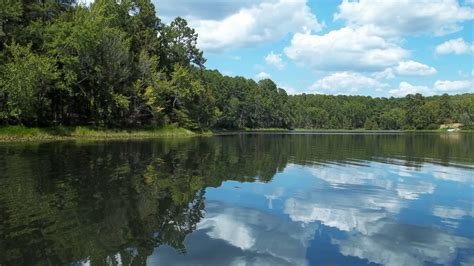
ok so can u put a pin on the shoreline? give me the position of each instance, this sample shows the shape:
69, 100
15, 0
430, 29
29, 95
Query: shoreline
26, 134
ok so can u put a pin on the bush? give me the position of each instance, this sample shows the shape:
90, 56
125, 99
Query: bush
432, 126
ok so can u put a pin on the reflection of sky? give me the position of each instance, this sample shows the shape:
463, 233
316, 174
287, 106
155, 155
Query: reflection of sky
394, 243
239, 236
380, 213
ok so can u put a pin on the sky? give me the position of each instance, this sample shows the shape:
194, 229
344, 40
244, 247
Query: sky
376, 48
358, 47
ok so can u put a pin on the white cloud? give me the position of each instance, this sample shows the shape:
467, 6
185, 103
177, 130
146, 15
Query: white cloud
453, 85
224, 227
407, 88
262, 75
450, 212
344, 219
275, 60
267, 21
386, 74
345, 83
440, 86
393, 243
413, 68
345, 49
412, 191
455, 46
454, 175
290, 90
451, 216
218, 233
406, 17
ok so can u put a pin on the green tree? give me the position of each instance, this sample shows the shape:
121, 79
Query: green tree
412, 106
178, 45
392, 119
26, 81
445, 109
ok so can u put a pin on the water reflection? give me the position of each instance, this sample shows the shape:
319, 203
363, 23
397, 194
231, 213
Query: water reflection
393, 243
241, 236
263, 199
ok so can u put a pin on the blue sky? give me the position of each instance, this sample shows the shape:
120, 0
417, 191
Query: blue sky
377, 48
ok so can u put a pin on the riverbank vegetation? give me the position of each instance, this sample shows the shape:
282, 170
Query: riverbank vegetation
20, 133
115, 64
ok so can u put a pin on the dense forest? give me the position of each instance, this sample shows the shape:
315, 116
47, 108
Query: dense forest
116, 64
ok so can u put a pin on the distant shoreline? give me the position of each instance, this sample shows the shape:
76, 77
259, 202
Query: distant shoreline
22, 134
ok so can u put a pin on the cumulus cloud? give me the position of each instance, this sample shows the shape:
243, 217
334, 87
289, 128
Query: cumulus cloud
275, 60
454, 85
342, 209
255, 25
413, 68
454, 213
219, 234
412, 191
454, 175
346, 83
440, 86
290, 90
385, 74
262, 75
351, 199
356, 202
343, 176
406, 17
394, 243
224, 227
406, 88
344, 219
356, 49
455, 46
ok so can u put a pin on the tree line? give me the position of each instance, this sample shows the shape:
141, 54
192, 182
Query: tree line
409, 112
116, 64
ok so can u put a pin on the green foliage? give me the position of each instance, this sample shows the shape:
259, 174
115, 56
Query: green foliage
115, 64
26, 81
392, 118
352, 112
371, 124
10, 12
82, 132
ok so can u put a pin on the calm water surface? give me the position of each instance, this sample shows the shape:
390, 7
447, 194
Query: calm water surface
249, 199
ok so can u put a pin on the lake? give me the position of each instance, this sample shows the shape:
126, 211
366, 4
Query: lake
240, 199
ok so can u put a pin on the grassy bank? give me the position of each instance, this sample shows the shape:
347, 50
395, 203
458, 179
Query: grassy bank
20, 133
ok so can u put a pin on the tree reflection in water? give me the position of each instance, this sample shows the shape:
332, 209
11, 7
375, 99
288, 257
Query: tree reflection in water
115, 202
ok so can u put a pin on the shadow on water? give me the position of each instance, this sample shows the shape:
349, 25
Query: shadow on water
66, 202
